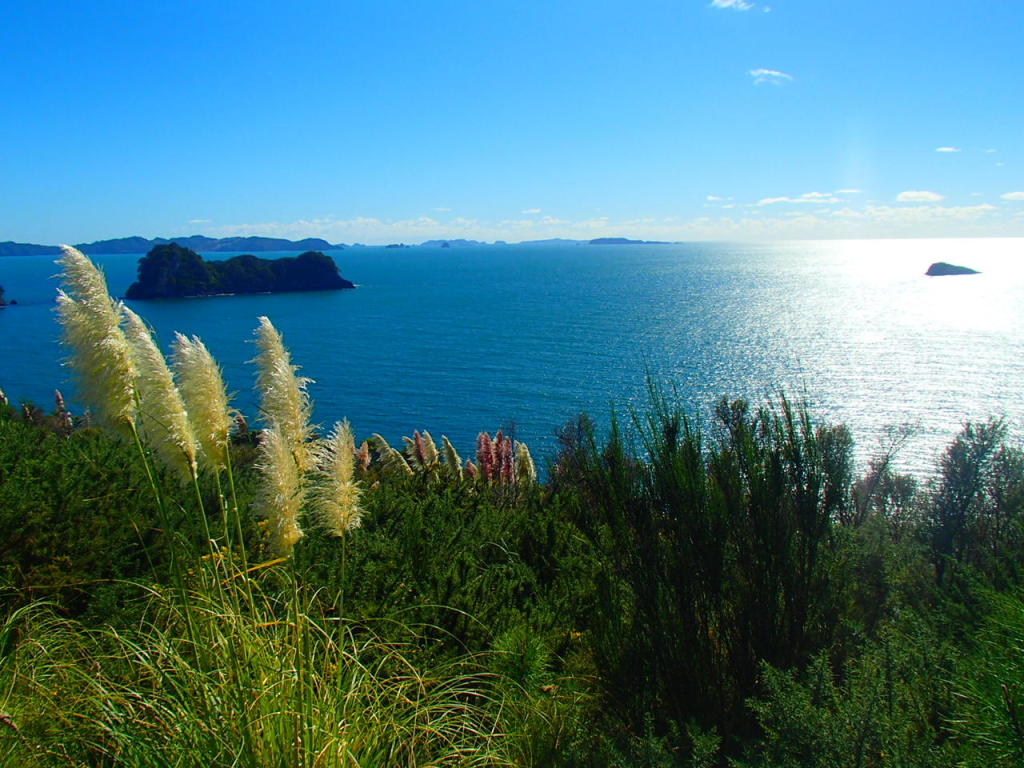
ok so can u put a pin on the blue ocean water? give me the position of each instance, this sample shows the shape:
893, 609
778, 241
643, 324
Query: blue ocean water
465, 339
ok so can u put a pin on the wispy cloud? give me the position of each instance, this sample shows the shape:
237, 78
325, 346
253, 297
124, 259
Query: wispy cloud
773, 76
849, 192
919, 218
919, 196
947, 149
530, 211
200, 221
806, 197
712, 198
443, 210
734, 5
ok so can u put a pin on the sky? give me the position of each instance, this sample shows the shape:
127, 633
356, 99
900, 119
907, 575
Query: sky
405, 120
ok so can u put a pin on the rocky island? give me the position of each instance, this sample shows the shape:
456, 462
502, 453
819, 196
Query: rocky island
941, 269
625, 241
172, 271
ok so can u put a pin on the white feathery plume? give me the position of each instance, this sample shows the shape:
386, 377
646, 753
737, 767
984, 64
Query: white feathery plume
524, 463
451, 457
389, 457
206, 400
162, 415
336, 499
100, 355
281, 492
285, 402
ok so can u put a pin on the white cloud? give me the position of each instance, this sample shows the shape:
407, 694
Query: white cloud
919, 196
773, 76
712, 198
849, 192
806, 197
531, 210
990, 151
735, 5
734, 221
200, 221
947, 149
1013, 196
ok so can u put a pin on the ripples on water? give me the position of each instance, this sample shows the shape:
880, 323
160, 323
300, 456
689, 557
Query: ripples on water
460, 340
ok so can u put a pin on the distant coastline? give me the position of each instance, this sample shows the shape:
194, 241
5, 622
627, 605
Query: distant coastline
195, 242
203, 244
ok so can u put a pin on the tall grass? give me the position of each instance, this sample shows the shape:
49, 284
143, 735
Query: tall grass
277, 686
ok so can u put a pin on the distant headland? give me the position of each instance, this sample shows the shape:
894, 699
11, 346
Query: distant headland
170, 270
195, 242
625, 241
203, 244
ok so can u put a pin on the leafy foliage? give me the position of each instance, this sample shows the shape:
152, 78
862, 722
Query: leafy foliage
678, 594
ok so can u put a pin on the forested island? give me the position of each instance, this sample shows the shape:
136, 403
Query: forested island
172, 271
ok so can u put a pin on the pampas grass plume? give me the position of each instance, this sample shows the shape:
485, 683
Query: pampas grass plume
206, 400
164, 421
285, 401
525, 468
389, 457
485, 455
421, 451
281, 492
336, 500
451, 457
100, 357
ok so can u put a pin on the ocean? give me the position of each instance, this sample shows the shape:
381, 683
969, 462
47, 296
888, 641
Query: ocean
524, 338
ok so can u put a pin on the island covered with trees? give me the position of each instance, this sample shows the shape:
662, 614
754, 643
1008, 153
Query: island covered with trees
172, 271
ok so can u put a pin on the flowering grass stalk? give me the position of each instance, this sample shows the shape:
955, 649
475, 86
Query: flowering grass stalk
336, 499
285, 402
390, 458
101, 357
486, 457
420, 451
525, 468
202, 390
162, 416
201, 384
452, 458
282, 492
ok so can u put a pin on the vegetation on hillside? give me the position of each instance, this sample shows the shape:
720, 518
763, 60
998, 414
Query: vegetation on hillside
181, 589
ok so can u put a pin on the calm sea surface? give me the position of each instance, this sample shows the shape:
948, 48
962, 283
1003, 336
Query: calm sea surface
461, 340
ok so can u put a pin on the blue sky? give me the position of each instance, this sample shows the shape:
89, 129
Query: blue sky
389, 120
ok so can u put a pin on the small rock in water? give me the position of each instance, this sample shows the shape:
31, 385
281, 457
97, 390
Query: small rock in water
941, 268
